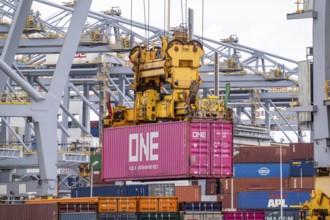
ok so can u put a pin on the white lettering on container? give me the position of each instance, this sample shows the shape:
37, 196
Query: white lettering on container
143, 148
274, 203
196, 134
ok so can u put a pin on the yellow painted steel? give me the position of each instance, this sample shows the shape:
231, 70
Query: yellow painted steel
166, 85
319, 206
17, 98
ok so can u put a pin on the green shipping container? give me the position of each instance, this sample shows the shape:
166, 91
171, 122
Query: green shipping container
159, 216
96, 157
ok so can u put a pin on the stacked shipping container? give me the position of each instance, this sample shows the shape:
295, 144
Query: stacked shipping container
257, 178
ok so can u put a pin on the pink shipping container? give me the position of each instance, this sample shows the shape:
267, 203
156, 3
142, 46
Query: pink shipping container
246, 215
172, 150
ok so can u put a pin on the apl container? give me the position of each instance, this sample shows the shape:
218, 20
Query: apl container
202, 216
303, 168
29, 211
270, 200
260, 170
246, 215
173, 150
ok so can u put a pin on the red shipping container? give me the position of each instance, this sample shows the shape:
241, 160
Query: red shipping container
188, 193
269, 154
226, 201
302, 151
253, 184
301, 183
173, 150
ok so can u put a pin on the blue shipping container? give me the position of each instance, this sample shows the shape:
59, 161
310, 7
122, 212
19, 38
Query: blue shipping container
261, 170
201, 206
270, 200
302, 168
95, 132
132, 190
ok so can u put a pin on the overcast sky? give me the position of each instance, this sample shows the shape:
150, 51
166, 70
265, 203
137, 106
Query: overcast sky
260, 24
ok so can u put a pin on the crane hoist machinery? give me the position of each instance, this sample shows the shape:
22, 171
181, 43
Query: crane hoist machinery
166, 85
319, 206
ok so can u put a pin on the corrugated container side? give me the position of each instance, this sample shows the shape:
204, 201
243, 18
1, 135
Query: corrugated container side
301, 183
260, 170
161, 189
287, 214
108, 204
213, 216
209, 198
202, 216
106, 216
168, 204
127, 204
77, 207
246, 215
78, 216
301, 151
188, 193
226, 199
253, 184
199, 149
159, 215
137, 190
269, 154
117, 216
270, 200
148, 204
201, 206
35, 211
302, 168
323, 183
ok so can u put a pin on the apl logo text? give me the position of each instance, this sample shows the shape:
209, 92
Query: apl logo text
142, 147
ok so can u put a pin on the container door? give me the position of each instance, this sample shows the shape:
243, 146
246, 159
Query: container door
199, 149
221, 149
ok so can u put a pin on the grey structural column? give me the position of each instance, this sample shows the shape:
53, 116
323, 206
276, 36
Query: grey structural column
65, 121
85, 110
321, 73
267, 118
122, 88
45, 113
11, 46
14, 37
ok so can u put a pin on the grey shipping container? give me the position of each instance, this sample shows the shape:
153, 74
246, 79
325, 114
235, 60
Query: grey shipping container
78, 216
159, 216
202, 216
29, 211
161, 189
292, 214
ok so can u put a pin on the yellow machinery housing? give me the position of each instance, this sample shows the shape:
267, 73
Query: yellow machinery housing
319, 206
166, 85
